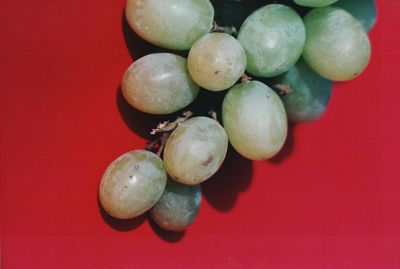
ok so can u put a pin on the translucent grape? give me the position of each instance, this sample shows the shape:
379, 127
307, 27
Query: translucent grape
255, 120
273, 38
310, 93
337, 47
178, 206
216, 61
173, 24
132, 184
159, 83
195, 150
315, 3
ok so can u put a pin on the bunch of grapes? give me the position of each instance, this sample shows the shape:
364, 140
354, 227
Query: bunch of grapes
292, 62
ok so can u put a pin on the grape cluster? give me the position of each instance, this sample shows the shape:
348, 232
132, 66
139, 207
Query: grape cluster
298, 57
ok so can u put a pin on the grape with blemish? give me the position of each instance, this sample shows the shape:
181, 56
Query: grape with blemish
132, 184
216, 61
195, 150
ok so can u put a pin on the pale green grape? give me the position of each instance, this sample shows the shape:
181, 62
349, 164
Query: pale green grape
255, 120
337, 47
273, 38
315, 3
132, 184
178, 206
216, 61
310, 93
159, 83
195, 150
173, 24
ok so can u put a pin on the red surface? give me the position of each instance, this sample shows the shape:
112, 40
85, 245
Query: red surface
332, 202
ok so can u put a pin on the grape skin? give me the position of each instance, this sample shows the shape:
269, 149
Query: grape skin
255, 120
309, 96
315, 3
363, 10
195, 150
172, 24
159, 83
337, 46
178, 206
132, 184
216, 61
273, 37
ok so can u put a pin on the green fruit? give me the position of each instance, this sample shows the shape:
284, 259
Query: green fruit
172, 24
255, 120
309, 93
337, 46
178, 206
273, 37
132, 184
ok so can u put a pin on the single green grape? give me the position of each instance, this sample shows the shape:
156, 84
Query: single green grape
310, 93
195, 150
315, 3
337, 46
159, 83
273, 37
172, 24
255, 120
132, 184
216, 61
178, 206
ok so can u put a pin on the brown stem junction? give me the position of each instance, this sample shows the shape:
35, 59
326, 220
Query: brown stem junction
164, 130
284, 89
230, 30
245, 78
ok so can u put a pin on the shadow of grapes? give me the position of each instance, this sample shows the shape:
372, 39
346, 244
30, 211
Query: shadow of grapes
168, 236
120, 224
235, 12
139, 122
138, 47
287, 148
234, 177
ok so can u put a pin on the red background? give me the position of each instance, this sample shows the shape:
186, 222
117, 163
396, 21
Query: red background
330, 200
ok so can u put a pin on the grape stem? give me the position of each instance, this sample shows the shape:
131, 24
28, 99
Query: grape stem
231, 30
157, 146
284, 89
245, 78
168, 126
164, 129
213, 114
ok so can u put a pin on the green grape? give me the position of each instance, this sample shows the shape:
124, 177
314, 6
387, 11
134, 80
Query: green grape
315, 3
363, 10
159, 83
273, 37
132, 184
172, 24
255, 120
216, 61
337, 47
310, 93
195, 150
178, 206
